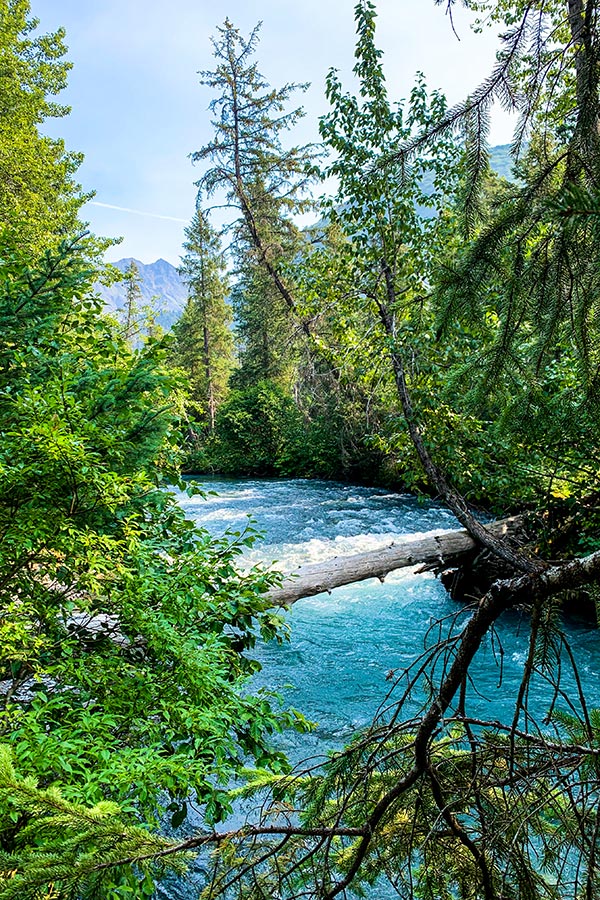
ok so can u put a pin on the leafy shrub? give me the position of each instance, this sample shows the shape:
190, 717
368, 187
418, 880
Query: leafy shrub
123, 628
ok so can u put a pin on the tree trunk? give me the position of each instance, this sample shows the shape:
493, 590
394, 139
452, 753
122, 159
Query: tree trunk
435, 476
209, 380
440, 549
586, 138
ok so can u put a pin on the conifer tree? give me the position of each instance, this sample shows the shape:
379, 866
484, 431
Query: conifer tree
265, 183
204, 342
530, 273
265, 332
261, 180
526, 279
131, 310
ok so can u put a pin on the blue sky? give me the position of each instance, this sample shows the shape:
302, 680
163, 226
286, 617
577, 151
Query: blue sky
138, 110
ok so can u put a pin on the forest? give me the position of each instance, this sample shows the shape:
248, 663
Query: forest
435, 330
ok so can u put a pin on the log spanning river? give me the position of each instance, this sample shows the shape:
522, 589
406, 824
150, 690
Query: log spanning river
344, 644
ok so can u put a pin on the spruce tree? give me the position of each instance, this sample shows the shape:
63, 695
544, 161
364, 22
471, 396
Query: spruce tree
265, 184
265, 333
203, 338
529, 274
261, 180
130, 313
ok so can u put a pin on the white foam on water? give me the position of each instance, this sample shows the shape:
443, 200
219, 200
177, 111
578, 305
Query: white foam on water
229, 516
223, 495
315, 550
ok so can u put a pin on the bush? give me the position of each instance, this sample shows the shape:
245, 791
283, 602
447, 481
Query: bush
123, 628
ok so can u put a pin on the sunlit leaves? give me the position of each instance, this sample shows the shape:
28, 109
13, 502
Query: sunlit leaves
124, 629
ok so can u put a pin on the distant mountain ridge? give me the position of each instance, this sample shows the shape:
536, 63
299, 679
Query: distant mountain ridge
161, 287
502, 162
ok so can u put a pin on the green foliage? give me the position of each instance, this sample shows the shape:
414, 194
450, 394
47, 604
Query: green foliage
427, 845
123, 628
250, 427
203, 345
130, 313
261, 431
59, 844
266, 185
261, 179
365, 284
500, 375
136, 319
39, 198
265, 334
527, 283
440, 302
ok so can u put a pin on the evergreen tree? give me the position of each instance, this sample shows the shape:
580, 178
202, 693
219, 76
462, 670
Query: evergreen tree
530, 275
204, 342
262, 181
265, 332
265, 184
525, 281
129, 314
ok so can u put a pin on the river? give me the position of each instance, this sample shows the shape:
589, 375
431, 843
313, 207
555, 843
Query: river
344, 645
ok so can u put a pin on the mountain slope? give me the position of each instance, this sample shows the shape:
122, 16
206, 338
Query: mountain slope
161, 287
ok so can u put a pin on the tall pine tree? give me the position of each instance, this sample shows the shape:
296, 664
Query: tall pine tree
204, 342
261, 180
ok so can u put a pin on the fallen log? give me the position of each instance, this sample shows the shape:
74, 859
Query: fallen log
440, 550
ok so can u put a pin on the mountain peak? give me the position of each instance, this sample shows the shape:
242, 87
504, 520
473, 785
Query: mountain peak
161, 287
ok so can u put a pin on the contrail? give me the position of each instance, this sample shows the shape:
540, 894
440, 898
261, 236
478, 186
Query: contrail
138, 212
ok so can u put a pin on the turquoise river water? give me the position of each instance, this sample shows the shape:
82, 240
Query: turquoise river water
343, 645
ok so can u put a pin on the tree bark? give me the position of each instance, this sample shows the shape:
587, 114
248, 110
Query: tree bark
438, 549
586, 139
435, 476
